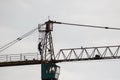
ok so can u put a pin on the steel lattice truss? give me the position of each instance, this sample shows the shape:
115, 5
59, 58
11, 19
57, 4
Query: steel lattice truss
88, 53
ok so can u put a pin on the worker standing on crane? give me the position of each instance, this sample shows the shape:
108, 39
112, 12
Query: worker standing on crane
40, 48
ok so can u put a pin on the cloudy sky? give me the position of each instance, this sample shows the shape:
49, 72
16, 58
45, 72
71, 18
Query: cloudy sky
20, 16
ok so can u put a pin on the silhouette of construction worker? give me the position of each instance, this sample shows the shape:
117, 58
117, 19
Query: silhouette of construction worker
40, 48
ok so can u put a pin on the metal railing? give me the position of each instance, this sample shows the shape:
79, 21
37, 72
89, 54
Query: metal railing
19, 57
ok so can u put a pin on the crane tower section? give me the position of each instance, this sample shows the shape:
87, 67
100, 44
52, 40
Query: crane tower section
50, 71
45, 45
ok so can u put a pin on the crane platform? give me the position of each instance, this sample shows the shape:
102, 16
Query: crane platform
64, 55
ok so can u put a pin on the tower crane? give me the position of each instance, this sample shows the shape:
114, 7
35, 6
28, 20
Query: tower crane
49, 59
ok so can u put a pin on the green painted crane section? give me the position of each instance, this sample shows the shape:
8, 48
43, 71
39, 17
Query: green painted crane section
50, 71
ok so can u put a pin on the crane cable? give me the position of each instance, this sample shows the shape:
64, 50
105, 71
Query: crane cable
83, 25
30, 32
18, 39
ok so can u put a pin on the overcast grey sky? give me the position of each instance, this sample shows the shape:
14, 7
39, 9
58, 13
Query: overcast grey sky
20, 16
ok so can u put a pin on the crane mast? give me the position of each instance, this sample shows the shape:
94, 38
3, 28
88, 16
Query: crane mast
49, 71
45, 46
